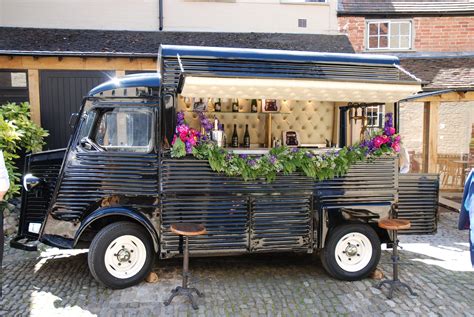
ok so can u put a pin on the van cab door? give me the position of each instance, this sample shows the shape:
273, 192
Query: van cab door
112, 162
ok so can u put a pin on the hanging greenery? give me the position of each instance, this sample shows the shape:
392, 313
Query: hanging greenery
284, 159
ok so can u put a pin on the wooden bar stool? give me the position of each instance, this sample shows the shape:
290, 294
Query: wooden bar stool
186, 230
394, 225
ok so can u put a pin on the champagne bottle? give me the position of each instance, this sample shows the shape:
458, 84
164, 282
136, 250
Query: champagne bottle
253, 105
235, 105
246, 136
235, 137
217, 105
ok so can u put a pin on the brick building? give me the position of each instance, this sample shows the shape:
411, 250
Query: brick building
435, 42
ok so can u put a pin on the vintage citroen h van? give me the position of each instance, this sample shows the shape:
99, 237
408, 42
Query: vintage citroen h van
115, 189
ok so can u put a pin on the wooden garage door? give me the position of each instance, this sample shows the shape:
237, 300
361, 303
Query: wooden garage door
61, 94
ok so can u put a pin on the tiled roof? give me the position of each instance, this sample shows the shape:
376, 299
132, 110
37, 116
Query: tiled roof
442, 73
128, 43
419, 7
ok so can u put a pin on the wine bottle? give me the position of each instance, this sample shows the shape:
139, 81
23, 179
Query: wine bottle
217, 105
235, 137
235, 105
225, 137
253, 105
246, 136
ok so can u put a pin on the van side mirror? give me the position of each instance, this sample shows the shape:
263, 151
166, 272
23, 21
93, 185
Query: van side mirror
73, 119
30, 182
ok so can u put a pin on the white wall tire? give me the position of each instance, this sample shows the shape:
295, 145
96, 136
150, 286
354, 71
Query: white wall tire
352, 252
121, 255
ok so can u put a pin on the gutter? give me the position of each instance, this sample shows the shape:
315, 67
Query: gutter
76, 54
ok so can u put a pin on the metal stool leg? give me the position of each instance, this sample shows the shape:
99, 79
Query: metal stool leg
184, 290
394, 283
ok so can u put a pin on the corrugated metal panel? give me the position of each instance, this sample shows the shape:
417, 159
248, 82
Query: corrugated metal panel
245, 68
365, 183
35, 203
225, 218
90, 177
257, 216
418, 202
61, 94
281, 223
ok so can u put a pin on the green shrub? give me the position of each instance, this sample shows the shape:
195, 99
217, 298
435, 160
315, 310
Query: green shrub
18, 134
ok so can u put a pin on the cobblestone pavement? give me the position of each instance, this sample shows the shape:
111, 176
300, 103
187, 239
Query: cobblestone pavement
55, 282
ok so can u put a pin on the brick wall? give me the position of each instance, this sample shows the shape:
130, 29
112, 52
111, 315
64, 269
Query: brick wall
431, 34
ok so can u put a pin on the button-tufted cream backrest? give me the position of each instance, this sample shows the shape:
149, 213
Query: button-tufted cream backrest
312, 120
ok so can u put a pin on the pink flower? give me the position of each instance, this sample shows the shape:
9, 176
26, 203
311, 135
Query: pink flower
183, 129
396, 146
378, 141
385, 139
398, 138
391, 131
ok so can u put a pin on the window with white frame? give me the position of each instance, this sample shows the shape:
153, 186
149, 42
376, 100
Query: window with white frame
375, 116
389, 35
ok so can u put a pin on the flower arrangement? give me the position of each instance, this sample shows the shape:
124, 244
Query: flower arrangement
283, 159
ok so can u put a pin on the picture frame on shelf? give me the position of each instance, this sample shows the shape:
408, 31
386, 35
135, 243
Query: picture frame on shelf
271, 105
199, 105
291, 138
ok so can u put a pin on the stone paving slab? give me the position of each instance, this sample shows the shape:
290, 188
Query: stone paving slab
55, 282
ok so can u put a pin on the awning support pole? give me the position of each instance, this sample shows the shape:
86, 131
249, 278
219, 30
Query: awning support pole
430, 136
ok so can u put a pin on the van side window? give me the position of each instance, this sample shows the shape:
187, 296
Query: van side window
125, 129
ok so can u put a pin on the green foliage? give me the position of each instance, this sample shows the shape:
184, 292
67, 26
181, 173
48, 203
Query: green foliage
284, 160
178, 149
18, 133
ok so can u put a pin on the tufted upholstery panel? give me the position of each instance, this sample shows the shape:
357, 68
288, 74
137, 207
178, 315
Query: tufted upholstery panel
312, 120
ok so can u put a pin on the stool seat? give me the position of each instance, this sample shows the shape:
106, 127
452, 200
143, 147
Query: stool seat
188, 229
394, 224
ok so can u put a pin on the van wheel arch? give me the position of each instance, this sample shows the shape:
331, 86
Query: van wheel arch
101, 218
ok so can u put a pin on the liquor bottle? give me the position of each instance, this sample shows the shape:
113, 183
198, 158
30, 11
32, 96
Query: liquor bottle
224, 136
217, 105
253, 105
235, 137
246, 136
235, 105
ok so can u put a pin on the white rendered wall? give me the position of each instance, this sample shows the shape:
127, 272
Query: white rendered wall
179, 15
273, 16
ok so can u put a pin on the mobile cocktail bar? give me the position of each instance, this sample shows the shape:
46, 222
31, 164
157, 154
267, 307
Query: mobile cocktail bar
117, 188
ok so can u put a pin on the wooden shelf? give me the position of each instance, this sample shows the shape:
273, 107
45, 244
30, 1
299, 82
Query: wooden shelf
240, 112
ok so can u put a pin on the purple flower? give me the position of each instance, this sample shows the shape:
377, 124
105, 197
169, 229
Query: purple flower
294, 150
309, 155
243, 156
189, 147
228, 157
180, 118
252, 162
273, 159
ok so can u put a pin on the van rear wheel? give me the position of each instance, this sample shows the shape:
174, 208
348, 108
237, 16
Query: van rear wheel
352, 252
121, 255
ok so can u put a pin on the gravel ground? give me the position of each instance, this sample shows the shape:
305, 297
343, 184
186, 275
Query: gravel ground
54, 282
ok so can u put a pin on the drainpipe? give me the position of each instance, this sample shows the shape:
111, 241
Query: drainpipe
160, 14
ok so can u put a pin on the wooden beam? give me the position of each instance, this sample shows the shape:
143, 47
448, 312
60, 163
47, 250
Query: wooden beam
77, 63
454, 96
34, 95
430, 136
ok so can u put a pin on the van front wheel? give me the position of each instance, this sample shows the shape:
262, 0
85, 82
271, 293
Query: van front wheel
352, 252
121, 255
